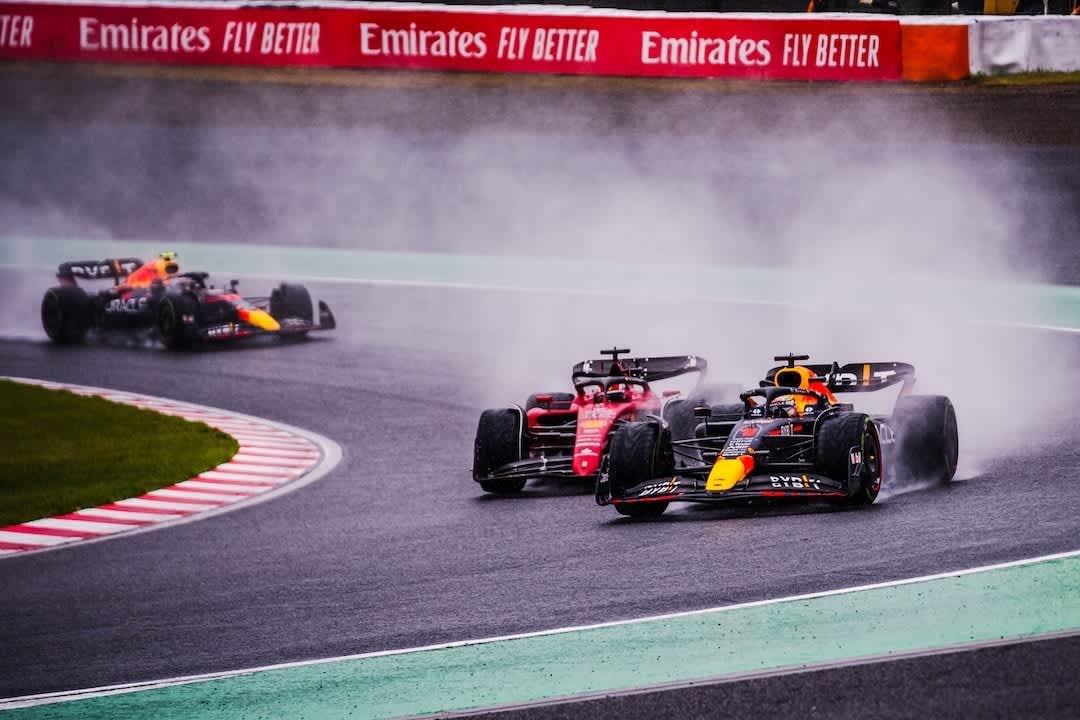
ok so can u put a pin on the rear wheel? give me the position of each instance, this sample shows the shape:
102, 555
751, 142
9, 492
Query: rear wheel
171, 321
850, 442
498, 442
640, 451
926, 437
291, 301
66, 314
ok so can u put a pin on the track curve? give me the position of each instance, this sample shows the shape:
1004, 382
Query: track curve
397, 548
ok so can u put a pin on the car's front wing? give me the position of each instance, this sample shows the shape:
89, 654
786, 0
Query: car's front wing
692, 487
543, 468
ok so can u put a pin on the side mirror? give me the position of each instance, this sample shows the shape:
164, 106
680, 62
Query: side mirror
672, 393
233, 284
703, 411
544, 401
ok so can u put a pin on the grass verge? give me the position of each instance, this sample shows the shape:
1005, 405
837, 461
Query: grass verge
64, 451
1027, 79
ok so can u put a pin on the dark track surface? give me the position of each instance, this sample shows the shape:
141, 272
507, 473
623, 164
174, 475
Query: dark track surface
397, 547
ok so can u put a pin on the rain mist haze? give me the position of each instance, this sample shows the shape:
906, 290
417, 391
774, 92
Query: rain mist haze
885, 214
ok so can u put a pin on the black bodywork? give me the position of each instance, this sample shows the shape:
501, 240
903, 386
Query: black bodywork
808, 456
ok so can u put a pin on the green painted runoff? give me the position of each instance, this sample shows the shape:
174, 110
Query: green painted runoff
1019, 303
953, 611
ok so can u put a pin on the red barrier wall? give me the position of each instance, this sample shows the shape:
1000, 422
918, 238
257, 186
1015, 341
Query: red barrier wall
588, 44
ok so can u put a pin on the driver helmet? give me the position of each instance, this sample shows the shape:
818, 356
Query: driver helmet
167, 262
797, 377
783, 407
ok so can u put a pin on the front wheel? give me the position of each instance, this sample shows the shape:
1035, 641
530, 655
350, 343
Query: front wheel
926, 437
498, 443
640, 451
290, 301
849, 451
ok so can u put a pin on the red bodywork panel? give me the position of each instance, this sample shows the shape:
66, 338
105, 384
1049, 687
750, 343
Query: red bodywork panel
595, 415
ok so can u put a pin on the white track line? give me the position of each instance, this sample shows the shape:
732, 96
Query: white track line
87, 693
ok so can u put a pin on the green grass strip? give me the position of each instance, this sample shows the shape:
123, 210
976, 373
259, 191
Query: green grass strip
63, 451
1028, 79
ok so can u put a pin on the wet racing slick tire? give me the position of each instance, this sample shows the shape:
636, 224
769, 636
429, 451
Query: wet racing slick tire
66, 314
559, 401
640, 451
837, 438
498, 442
288, 300
174, 333
926, 437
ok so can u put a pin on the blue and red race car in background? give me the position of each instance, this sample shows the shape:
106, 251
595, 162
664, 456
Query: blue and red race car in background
153, 299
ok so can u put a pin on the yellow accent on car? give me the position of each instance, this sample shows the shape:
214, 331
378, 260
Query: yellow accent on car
262, 320
725, 474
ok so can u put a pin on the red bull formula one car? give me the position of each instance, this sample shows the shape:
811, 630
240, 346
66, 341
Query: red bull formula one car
788, 438
561, 435
155, 300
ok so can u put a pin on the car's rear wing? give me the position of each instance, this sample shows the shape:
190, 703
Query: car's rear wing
857, 377
115, 269
649, 369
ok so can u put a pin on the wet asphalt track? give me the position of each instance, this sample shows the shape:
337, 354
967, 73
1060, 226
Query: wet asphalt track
396, 548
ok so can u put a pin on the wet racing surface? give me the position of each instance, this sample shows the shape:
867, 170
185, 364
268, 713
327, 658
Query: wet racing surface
398, 547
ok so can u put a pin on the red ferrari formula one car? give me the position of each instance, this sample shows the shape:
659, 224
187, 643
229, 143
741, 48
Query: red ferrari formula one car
154, 300
565, 435
788, 438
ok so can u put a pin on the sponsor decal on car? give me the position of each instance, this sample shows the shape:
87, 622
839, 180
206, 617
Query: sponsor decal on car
794, 482
661, 488
737, 446
128, 305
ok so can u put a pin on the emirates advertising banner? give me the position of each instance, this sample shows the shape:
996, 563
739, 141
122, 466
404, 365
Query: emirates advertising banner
625, 44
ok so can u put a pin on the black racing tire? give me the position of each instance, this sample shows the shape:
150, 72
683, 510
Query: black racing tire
498, 442
927, 438
66, 314
559, 401
640, 451
169, 323
289, 300
836, 438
